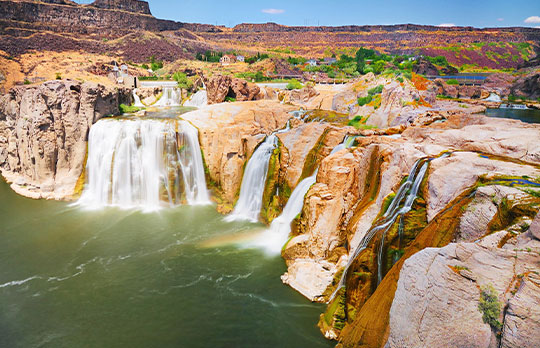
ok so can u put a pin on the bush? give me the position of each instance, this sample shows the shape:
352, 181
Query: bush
407, 75
294, 84
155, 64
230, 99
452, 82
365, 100
58, 76
512, 98
127, 109
145, 66
356, 121
439, 60
490, 307
376, 90
400, 79
182, 80
26, 82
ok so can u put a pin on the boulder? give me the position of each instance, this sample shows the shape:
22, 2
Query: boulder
425, 67
446, 89
44, 130
220, 87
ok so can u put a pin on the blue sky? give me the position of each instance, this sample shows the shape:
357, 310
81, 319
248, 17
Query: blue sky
477, 13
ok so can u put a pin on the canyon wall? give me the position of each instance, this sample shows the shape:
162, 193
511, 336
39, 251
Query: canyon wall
44, 132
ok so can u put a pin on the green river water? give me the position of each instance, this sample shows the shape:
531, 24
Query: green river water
113, 278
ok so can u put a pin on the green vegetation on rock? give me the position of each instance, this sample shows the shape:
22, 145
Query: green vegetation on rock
490, 306
128, 109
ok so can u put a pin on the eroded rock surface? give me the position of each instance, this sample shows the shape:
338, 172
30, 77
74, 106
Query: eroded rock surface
220, 87
44, 131
230, 132
437, 300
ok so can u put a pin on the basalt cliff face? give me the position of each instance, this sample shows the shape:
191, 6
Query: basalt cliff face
44, 131
58, 20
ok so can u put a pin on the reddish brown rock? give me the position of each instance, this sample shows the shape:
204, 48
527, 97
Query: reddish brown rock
220, 87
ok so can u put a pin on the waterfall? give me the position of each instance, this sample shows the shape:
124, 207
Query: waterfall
198, 99
406, 194
137, 100
172, 96
249, 204
514, 106
493, 97
347, 143
276, 236
143, 164
192, 166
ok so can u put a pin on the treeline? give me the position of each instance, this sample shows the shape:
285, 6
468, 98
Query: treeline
365, 61
215, 56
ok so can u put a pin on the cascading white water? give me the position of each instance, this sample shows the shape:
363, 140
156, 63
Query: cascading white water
493, 97
275, 237
137, 100
138, 163
192, 165
407, 192
172, 96
198, 100
249, 204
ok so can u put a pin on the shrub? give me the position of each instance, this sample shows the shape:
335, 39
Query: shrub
538, 99
155, 64
58, 76
294, 84
512, 98
490, 307
26, 82
182, 80
230, 99
356, 121
376, 90
452, 82
145, 66
407, 75
365, 100
400, 79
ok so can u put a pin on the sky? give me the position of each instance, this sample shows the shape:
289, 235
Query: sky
477, 13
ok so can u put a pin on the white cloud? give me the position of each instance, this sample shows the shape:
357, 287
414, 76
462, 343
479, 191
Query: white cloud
532, 19
500, 19
446, 25
273, 11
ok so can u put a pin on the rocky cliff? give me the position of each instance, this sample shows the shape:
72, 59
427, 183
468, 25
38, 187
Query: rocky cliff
44, 131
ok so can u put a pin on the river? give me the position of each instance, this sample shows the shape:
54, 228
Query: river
124, 278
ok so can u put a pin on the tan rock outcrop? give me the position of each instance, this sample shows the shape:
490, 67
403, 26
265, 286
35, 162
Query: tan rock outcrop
44, 130
219, 87
437, 299
228, 134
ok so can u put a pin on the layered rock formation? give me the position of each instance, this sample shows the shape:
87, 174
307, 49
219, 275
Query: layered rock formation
440, 291
44, 130
355, 186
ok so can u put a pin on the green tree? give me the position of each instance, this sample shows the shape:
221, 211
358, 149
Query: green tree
183, 81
